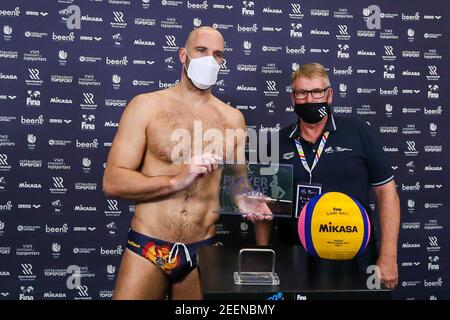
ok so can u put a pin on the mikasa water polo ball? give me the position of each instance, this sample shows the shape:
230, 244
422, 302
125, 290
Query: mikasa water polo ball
334, 226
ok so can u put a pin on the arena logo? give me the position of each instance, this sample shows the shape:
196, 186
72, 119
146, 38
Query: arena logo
271, 29
90, 38
222, 6
245, 107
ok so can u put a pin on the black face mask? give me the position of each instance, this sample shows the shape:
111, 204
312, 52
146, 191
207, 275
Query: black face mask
312, 112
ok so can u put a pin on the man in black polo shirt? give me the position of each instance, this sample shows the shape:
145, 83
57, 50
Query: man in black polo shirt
331, 153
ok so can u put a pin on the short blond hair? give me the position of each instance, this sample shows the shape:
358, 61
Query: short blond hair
309, 71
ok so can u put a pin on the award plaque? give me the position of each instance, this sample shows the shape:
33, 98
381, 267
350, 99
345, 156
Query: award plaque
268, 183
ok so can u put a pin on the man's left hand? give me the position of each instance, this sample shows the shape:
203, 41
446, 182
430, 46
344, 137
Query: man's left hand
388, 271
254, 207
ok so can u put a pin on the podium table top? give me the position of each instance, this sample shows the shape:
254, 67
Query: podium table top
302, 277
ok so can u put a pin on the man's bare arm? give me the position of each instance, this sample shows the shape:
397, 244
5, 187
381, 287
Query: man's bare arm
121, 178
389, 213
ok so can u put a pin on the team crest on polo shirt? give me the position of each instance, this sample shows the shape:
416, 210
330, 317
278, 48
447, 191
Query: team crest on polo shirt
336, 149
288, 155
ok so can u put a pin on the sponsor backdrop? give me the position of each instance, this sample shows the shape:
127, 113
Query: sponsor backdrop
64, 85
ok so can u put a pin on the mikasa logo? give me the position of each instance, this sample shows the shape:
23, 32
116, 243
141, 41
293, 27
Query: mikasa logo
331, 228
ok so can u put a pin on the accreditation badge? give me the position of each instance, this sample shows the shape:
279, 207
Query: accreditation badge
305, 192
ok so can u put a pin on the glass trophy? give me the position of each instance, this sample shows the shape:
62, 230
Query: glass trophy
267, 183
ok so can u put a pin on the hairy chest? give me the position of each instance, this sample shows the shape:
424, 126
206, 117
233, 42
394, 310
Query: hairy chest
177, 135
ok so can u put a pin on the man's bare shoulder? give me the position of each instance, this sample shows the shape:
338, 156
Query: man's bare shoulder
233, 115
148, 104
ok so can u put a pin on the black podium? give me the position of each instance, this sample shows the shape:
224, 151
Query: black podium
302, 277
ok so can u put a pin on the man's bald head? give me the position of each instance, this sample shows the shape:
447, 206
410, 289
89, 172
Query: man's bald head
199, 32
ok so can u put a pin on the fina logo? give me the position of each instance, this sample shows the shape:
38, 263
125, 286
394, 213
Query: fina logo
247, 9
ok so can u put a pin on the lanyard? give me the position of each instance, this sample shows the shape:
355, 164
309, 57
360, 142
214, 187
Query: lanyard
301, 154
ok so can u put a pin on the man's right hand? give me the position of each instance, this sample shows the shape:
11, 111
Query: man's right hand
198, 166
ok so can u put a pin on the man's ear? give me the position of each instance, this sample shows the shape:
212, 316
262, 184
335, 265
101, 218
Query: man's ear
182, 55
330, 96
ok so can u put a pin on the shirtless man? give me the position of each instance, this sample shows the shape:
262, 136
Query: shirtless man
175, 199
